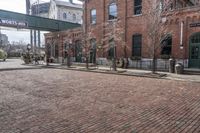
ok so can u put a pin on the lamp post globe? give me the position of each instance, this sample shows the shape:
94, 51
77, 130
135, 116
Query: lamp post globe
28, 47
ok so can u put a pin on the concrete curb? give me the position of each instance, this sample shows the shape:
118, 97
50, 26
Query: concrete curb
164, 76
113, 73
13, 69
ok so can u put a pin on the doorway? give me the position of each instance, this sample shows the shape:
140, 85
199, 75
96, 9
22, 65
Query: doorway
194, 59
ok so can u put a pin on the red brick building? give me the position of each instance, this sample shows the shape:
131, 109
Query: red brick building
60, 44
182, 19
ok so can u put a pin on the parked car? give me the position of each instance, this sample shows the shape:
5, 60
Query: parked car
3, 55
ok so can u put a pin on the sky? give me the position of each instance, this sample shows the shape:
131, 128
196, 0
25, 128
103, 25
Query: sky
20, 7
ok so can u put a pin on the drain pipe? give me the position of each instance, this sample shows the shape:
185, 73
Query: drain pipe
181, 35
181, 40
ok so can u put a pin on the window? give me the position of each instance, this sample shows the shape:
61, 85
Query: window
93, 43
74, 17
137, 7
93, 51
93, 16
166, 45
161, 5
64, 16
112, 11
111, 48
56, 51
137, 45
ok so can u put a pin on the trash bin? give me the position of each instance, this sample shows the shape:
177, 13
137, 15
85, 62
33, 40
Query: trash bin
171, 65
179, 68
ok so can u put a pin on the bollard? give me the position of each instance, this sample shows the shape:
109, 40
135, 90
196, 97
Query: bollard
171, 65
179, 68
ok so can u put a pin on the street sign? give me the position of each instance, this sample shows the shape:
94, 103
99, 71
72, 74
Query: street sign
195, 24
13, 23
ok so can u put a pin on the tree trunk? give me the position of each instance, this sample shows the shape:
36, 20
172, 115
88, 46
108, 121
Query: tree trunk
47, 60
87, 63
114, 60
68, 61
154, 65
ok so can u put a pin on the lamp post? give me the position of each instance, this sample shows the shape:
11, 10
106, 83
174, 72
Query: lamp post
1, 41
28, 47
28, 54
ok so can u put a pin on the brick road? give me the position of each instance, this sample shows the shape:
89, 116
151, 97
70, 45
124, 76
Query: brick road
61, 101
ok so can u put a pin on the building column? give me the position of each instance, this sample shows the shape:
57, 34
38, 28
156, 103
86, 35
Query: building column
39, 42
35, 41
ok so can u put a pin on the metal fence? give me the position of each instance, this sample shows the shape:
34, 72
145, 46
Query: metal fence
161, 64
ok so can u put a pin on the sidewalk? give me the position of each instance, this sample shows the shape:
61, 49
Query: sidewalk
16, 64
131, 72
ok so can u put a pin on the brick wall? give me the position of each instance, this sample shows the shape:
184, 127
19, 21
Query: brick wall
132, 24
60, 38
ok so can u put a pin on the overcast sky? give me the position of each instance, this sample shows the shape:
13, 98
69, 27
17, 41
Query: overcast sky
20, 7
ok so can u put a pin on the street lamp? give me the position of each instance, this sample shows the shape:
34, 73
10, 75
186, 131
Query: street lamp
28, 47
28, 54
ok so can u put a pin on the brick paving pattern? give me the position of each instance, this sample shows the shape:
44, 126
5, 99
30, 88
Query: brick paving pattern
61, 101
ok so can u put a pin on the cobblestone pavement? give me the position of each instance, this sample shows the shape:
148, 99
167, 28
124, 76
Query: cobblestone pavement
61, 101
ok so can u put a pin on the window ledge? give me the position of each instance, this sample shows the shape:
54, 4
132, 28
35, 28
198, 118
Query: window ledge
112, 20
138, 15
93, 23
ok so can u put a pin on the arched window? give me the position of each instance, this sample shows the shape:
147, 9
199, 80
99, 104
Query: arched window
166, 45
74, 17
111, 49
64, 16
112, 11
93, 51
56, 51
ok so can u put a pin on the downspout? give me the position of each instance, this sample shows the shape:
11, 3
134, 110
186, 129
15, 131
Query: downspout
125, 35
85, 17
181, 40
126, 63
181, 34
104, 20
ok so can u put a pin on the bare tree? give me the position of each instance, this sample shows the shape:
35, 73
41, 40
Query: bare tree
156, 28
113, 31
86, 44
113, 39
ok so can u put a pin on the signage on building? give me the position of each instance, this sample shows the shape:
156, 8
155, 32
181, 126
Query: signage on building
195, 24
13, 23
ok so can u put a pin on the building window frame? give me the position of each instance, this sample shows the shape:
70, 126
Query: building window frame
111, 48
137, 45
112, 11
64, 15
137, 7
166, 45
74, 17
93, 16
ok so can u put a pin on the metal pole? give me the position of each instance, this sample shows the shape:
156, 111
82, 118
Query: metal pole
31, 40
0, 38
35, 42
39, 39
